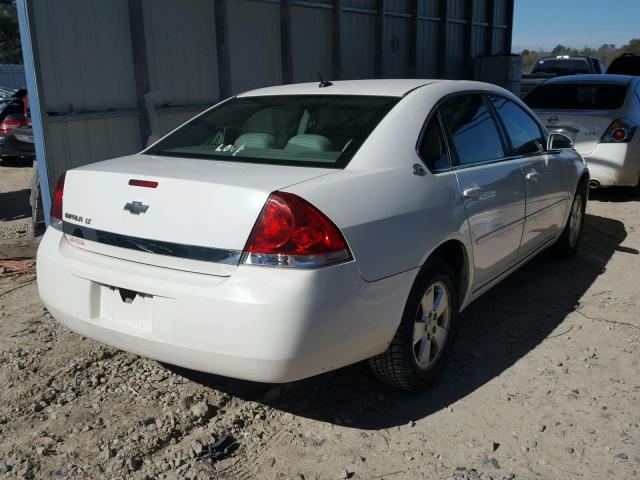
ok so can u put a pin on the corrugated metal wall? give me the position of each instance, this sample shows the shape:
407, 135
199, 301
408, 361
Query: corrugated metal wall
12, 76
96, 62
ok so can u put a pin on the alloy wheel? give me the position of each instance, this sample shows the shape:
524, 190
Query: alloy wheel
575, 220
431, 326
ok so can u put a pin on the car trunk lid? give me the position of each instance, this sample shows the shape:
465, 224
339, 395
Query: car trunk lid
584, 127
197, 218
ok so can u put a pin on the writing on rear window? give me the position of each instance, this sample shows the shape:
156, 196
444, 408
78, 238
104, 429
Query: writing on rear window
230, 148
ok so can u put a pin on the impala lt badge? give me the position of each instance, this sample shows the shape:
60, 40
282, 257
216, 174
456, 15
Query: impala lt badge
136, 208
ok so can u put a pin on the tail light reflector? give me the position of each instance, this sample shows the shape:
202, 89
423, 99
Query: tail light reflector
55, 219
290, 232
8, 125
620, 131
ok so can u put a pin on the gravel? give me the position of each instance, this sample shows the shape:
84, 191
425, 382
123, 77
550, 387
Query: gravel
502, 410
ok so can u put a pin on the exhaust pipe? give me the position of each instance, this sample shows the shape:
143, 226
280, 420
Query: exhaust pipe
594, 184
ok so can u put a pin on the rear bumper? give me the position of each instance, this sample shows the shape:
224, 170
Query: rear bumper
614, 164
261, 324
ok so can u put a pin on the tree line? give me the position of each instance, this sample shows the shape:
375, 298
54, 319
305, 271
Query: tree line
10, 49
606, 52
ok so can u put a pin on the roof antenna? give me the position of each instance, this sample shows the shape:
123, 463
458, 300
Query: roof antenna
323, 83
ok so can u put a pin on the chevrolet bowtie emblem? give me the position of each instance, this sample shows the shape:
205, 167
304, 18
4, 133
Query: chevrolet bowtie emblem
136, 208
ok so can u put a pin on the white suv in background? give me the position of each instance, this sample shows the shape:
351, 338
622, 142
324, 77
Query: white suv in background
600, 113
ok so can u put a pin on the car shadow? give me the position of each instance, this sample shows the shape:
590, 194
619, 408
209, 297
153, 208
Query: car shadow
16, 162
496, 331
15, 205
615, 194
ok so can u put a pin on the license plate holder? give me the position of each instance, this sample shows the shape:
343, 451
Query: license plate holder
125, 307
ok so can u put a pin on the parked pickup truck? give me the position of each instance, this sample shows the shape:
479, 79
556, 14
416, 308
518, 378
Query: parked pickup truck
549, 67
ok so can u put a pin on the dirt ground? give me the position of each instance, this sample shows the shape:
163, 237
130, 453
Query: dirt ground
15, 188
543, 383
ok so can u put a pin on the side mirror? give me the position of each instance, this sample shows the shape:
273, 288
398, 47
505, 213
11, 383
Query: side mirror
558, 141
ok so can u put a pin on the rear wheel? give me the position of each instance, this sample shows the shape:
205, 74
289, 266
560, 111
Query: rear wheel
422, 343
567, 245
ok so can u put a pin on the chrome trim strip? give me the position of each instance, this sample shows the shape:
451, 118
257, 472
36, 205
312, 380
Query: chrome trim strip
192, 252
546, 209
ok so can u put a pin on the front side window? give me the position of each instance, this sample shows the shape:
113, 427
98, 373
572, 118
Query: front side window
524, 133
432, 148
472, 128
312, 130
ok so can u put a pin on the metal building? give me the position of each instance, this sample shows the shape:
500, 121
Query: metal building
106, 75
12, 76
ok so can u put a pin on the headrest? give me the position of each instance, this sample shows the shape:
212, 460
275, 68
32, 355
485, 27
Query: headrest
309, 141
256, 140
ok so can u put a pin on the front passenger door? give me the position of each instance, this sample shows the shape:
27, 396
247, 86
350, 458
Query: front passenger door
492, 187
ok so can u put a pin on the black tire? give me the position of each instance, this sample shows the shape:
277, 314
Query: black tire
567, 244
398, 365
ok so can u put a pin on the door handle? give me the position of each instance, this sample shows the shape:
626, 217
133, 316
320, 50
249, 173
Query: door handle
532, 176
471, 192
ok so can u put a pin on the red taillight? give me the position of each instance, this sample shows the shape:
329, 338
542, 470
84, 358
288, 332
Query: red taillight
290, 232
143, 183
56, 204
619, 131
619, 134
8, 125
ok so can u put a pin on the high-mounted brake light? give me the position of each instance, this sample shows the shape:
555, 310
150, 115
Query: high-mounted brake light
620, 131
55, 219
290, 232
143, 183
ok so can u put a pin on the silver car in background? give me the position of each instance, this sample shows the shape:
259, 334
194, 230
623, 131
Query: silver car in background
600, 113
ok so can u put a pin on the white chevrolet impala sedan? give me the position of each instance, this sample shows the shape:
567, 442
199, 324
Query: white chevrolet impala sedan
293, 230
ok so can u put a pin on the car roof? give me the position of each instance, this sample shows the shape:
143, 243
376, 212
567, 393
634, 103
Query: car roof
592, 78
381, 87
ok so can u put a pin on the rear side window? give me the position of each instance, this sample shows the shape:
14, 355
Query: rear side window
313, 130
524, 133
577, 96
472, 129
432, 149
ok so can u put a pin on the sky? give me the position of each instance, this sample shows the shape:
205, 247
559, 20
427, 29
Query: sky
574, 23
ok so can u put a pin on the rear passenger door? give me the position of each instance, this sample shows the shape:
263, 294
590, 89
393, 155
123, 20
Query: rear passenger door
544, 173
492, 187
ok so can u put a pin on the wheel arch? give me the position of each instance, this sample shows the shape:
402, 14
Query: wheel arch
455, 254
584, 179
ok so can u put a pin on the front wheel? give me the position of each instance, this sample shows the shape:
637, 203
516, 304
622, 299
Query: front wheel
567, 245
423, 340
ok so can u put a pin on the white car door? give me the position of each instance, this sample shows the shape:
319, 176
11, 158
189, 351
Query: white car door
545, 178
492, 186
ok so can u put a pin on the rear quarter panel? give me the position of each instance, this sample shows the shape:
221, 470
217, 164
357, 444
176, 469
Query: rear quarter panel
392, 218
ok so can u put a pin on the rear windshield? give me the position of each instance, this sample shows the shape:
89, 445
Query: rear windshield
577, 96
561, 66
313, 130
